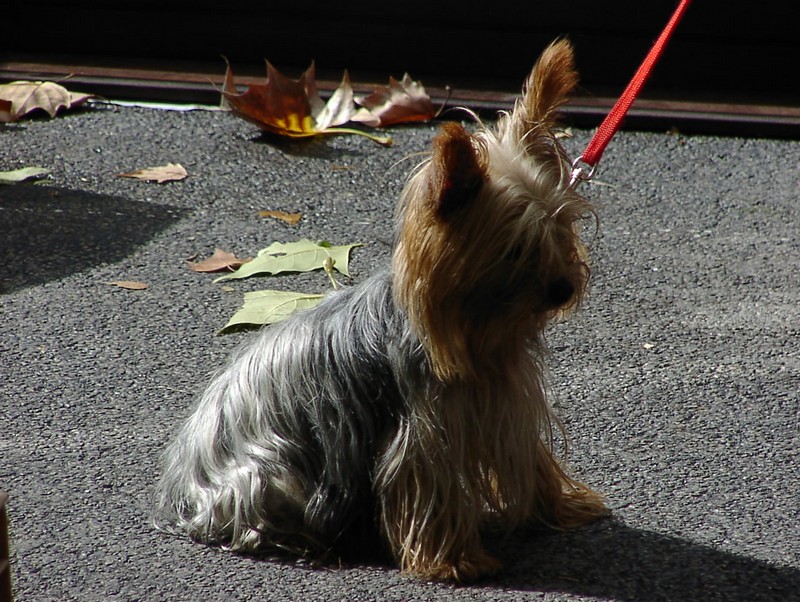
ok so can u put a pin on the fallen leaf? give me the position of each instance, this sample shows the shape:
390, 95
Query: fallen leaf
5, 111
50, 97
399, 102
293, 107
339, 108
290, 218
171, 172
20, 175
269, 307
130, 285
220, 261
299, 256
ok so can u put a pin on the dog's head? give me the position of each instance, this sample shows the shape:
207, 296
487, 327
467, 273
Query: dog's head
488, 247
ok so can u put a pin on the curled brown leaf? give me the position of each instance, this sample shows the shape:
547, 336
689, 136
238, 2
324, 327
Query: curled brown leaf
401, 101
290, 218
131, 285
171, 172
220, 261
28, 96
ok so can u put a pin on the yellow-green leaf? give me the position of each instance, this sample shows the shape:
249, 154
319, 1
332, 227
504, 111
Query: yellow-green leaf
299, 256
20, 175
269, 307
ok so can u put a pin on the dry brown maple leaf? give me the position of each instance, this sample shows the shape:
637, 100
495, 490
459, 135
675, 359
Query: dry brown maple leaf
220, 261
293, 107
399, 102
26, 97
171, 172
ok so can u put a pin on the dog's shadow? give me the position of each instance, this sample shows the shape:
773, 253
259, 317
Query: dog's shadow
613, 561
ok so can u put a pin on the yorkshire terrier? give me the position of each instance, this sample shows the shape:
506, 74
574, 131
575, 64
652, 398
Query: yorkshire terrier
412, 405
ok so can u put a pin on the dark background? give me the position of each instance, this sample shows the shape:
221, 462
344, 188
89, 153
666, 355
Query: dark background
732, 51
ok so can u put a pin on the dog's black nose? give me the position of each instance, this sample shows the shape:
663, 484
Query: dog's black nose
559, 292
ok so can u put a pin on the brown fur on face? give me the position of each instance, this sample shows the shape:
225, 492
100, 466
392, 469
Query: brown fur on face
488, 233
488, 252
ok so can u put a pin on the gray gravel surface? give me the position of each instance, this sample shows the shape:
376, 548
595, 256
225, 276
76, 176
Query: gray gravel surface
678, 382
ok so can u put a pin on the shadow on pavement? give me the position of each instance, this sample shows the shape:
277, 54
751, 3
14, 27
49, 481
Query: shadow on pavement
47, 233
611, 561
316, 147
607, 561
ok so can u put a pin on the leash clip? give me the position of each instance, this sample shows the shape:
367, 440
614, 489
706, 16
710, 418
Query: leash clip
580, 173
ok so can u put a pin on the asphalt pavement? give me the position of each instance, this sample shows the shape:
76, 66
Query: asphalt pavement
678, 382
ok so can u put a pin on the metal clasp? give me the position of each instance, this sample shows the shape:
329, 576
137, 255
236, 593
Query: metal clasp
579, 172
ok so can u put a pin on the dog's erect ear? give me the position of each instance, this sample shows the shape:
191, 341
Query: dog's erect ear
458, 172
548, 87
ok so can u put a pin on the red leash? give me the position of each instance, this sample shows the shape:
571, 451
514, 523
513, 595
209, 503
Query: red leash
591, 156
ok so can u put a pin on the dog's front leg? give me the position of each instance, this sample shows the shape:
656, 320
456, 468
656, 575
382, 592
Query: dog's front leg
429, 518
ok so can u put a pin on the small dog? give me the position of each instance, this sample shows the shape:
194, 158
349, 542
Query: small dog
412, 406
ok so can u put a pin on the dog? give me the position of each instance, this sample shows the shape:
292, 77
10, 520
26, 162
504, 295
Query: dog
411, 409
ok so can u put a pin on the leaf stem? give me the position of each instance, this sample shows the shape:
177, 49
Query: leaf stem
382, 140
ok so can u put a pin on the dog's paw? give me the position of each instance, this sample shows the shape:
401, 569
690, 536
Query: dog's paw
471, 566
476, 565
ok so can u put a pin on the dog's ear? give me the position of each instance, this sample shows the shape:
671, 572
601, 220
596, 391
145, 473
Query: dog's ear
552, 80
458, 170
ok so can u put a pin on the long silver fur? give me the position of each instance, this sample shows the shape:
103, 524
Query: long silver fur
284, 441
